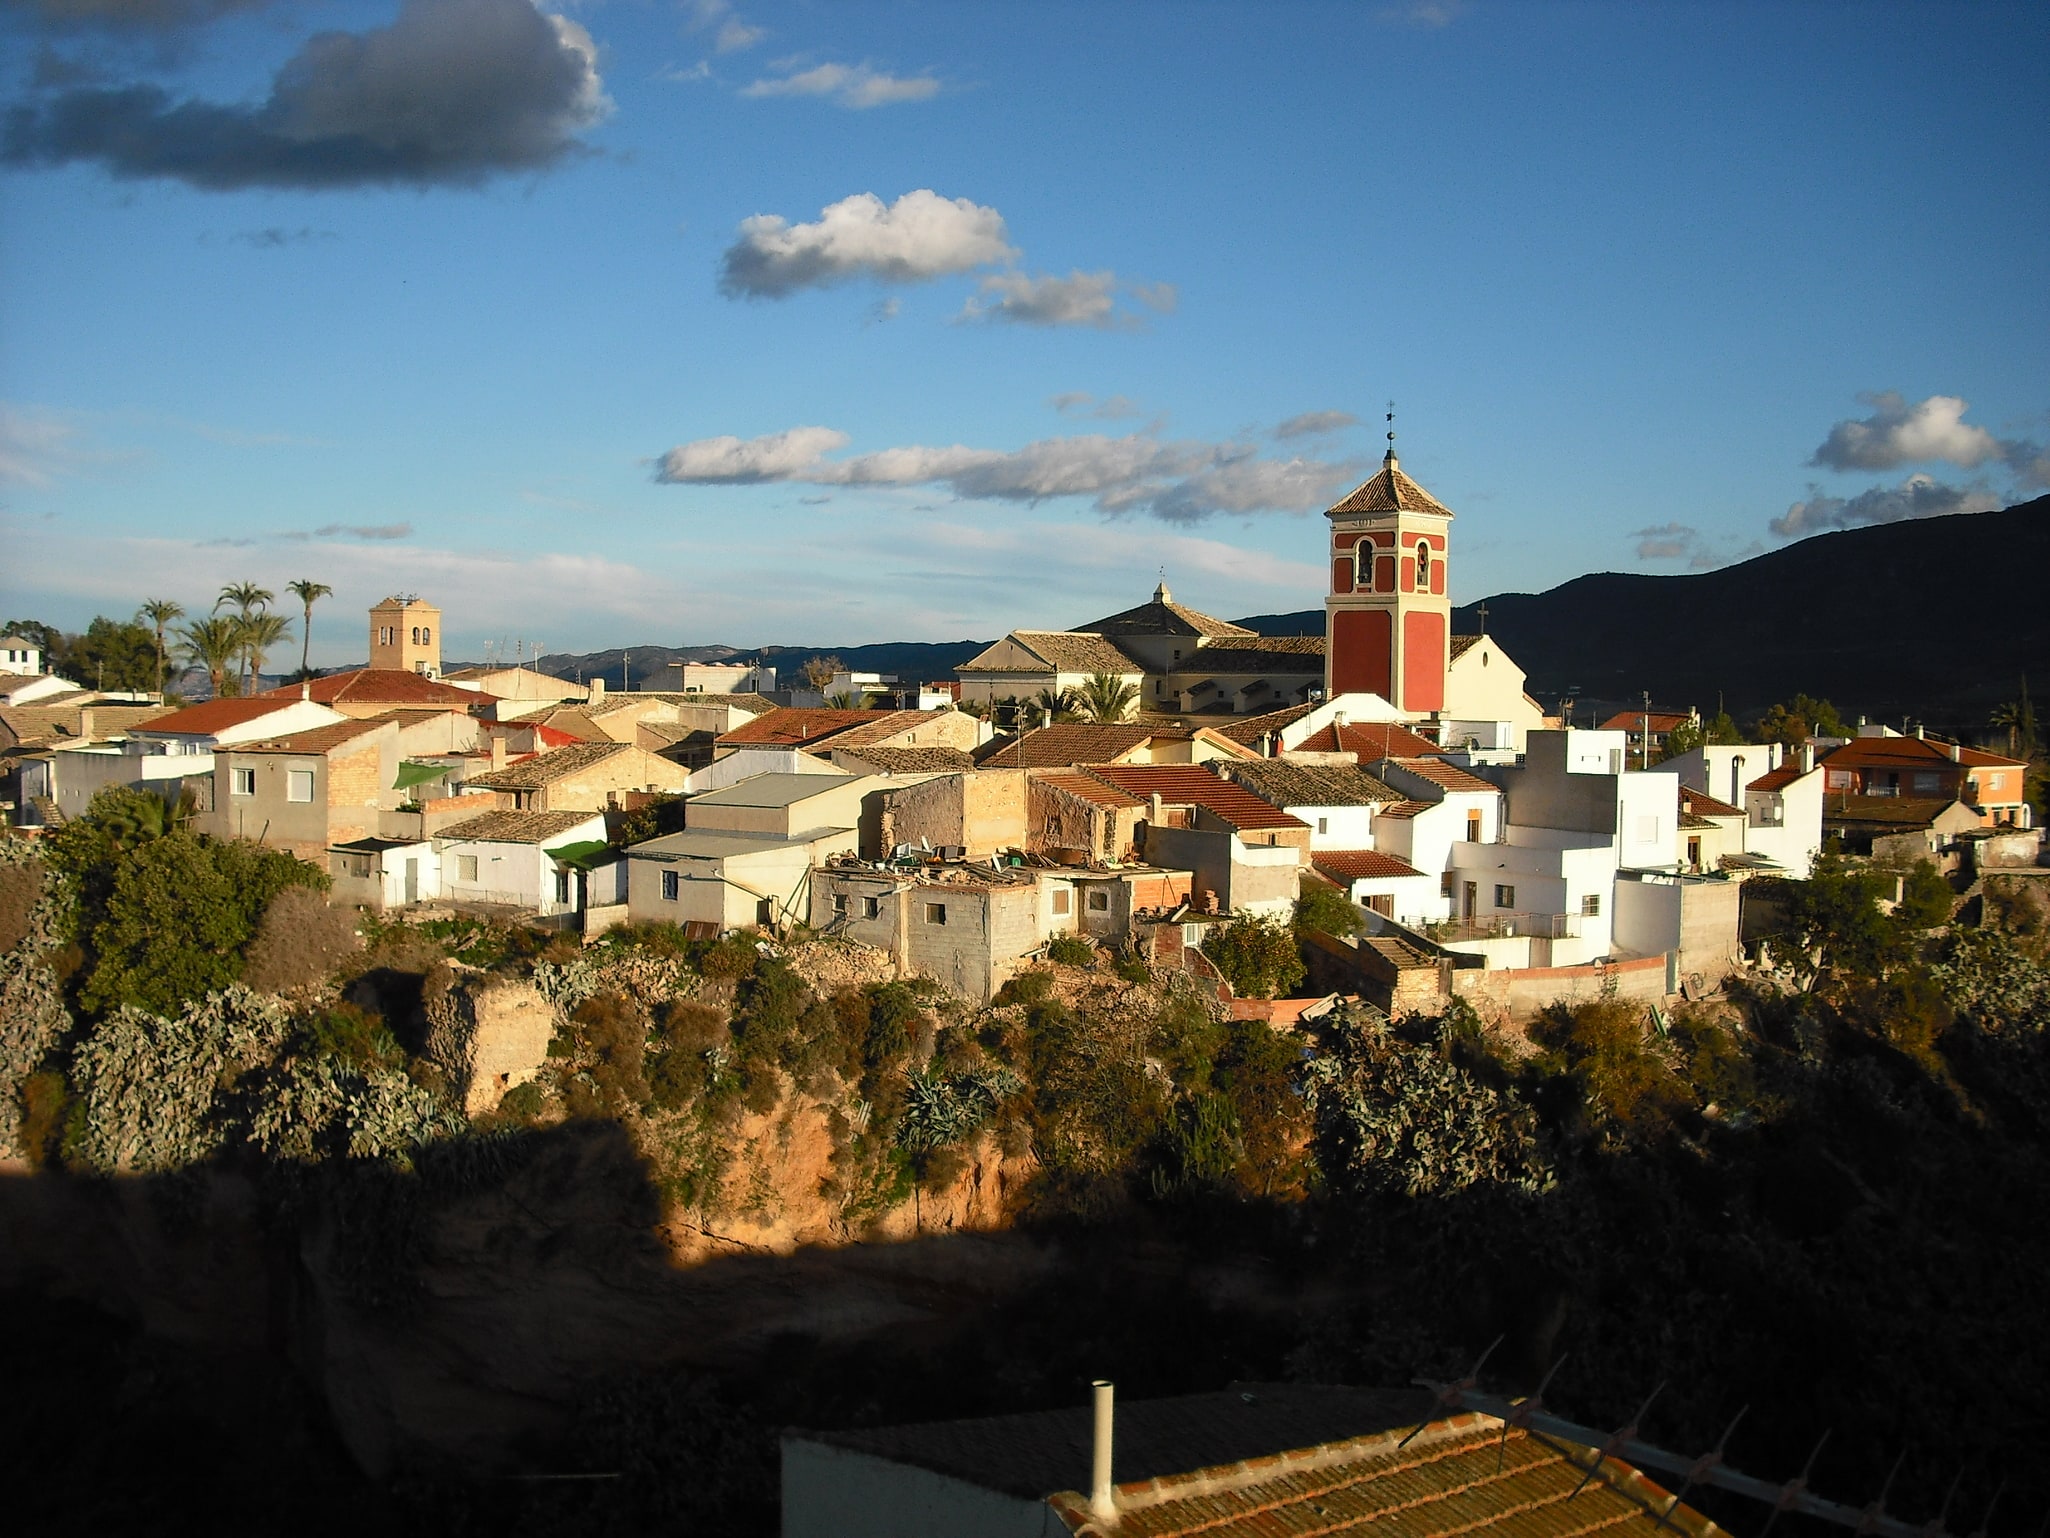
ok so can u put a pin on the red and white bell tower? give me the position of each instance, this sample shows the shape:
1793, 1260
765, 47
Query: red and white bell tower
1388, 619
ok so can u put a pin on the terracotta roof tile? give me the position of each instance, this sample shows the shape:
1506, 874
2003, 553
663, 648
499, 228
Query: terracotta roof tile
321, 739
1702, 804
1268, 654
912, 760
1089, 788
1916, 752
1886, 811
1462, 644
215, 715
1068, 651
1446, 776
1633, 720
1370, 740
1407, 809
791, 726
1250, 729
1194, 785
1357, 864
878, 726
1388, 491
381, 686
1777, 779
1163, 616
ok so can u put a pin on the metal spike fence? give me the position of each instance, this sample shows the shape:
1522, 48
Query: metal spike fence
1706, 1469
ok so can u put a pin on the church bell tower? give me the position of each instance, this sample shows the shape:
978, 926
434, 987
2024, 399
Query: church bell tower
1388, 618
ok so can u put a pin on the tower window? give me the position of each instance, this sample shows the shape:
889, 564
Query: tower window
1423, 565
1363, 566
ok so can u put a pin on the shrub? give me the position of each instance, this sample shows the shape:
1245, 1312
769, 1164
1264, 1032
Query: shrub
1258, 957
1028, 988
1600, 1049
612, 1041
1070, 951
731, 958
299, 941
21, 888
523, 1102
1926, 897
1323, 907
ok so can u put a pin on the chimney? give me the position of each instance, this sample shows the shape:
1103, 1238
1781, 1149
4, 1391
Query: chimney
498, 750
597, 690
1103, 1501
1957, 755
1807, 757
306, 689
1921, 731
1154, 814
1773, 753
85, 725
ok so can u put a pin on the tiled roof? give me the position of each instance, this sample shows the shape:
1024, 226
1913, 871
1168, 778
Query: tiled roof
516, 827
1777, 779
1407, 809
1459, 1477
1462, 644
1915, 752
1886, 811
1389, 491
791, 726
1358, 864
1038, 1453
1194, 785
913, 760
1068, 651
1269, 654
568, 723
1702, 804
414, 715
1089, 788
59, 722
879, 726
773, 790
1288, 784
1369, 739
1633, 720
1068, 743
1248, 730
217, 715
1163, 616
753, 704
546, 768
1445, 776
380, 686
321, 739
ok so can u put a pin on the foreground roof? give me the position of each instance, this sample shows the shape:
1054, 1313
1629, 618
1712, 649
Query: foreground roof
1359, 864
912, 760
1913, 752
319, 740
1262, 654
1248, 730
1634, 720
1699, 803
1163, 616
546, 768
1194, 785
517, 827
1065, 651
379, 686
1071, 742
1370, 740
216, 715
1291, 784
774, 790
1447, 776
790, 726
1891, 811
1389, 491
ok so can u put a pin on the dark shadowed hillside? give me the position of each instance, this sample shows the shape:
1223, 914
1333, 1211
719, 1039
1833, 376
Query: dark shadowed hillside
1938, 618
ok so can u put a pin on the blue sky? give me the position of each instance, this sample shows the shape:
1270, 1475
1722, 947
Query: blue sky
638, 321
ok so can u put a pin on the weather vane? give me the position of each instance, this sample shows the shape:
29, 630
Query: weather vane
1391, 427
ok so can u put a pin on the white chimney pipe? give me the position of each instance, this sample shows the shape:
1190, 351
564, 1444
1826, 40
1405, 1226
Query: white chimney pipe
1807, 757
1103, 1501
1957, 755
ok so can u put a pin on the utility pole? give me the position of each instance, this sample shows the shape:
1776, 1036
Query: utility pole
1644, 753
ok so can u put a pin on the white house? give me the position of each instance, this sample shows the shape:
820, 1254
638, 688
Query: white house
1337, 801
1781, 794
222, 723
33, 688
20, 656
383, 873
508, 858
1485, 703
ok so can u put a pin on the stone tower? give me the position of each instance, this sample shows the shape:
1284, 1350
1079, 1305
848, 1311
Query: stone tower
1388, 619
405, 633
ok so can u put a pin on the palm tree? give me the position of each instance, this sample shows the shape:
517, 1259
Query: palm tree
307, 590
1057, 704
261, 632
1107, 697
160, 612
248, 599
213, 643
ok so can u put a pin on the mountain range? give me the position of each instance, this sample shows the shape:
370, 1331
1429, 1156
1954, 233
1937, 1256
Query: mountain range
1937, 618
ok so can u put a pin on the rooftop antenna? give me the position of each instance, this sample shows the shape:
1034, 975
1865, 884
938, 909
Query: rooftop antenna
1449, 1394
1624, 1433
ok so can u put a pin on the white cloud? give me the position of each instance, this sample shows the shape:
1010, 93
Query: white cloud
857, 86
1665, 541
730, 34
920, 236
1897, 433
1919, 496
1079, 299
1178, 482
34, 446
730, 461
1428, 14
1080, 403
1315, 423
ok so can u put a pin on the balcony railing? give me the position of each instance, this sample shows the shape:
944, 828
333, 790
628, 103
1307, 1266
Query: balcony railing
1504, 926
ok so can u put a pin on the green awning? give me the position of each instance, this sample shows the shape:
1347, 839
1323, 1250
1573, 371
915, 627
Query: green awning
411, 774
580, 856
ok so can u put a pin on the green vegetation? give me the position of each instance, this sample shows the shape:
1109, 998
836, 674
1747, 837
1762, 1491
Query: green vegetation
1070, 951
1325, 908
1794, 721
1259, 957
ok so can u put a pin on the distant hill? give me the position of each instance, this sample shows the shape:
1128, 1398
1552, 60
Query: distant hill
1937, 617
649, 666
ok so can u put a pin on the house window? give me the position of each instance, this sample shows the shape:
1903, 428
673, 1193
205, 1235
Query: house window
1927, 783
416, 635
1473, 827
1323, 824
839, 902
1505, 897
1363, 567
426, 635
466, 867
1423, 565
1591, 906
1382, 903
1099, 902
1445, 884
241, 782
298, 784
1060, 899
935, 913
562, 886
871, 907
1693, 851
671, 881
